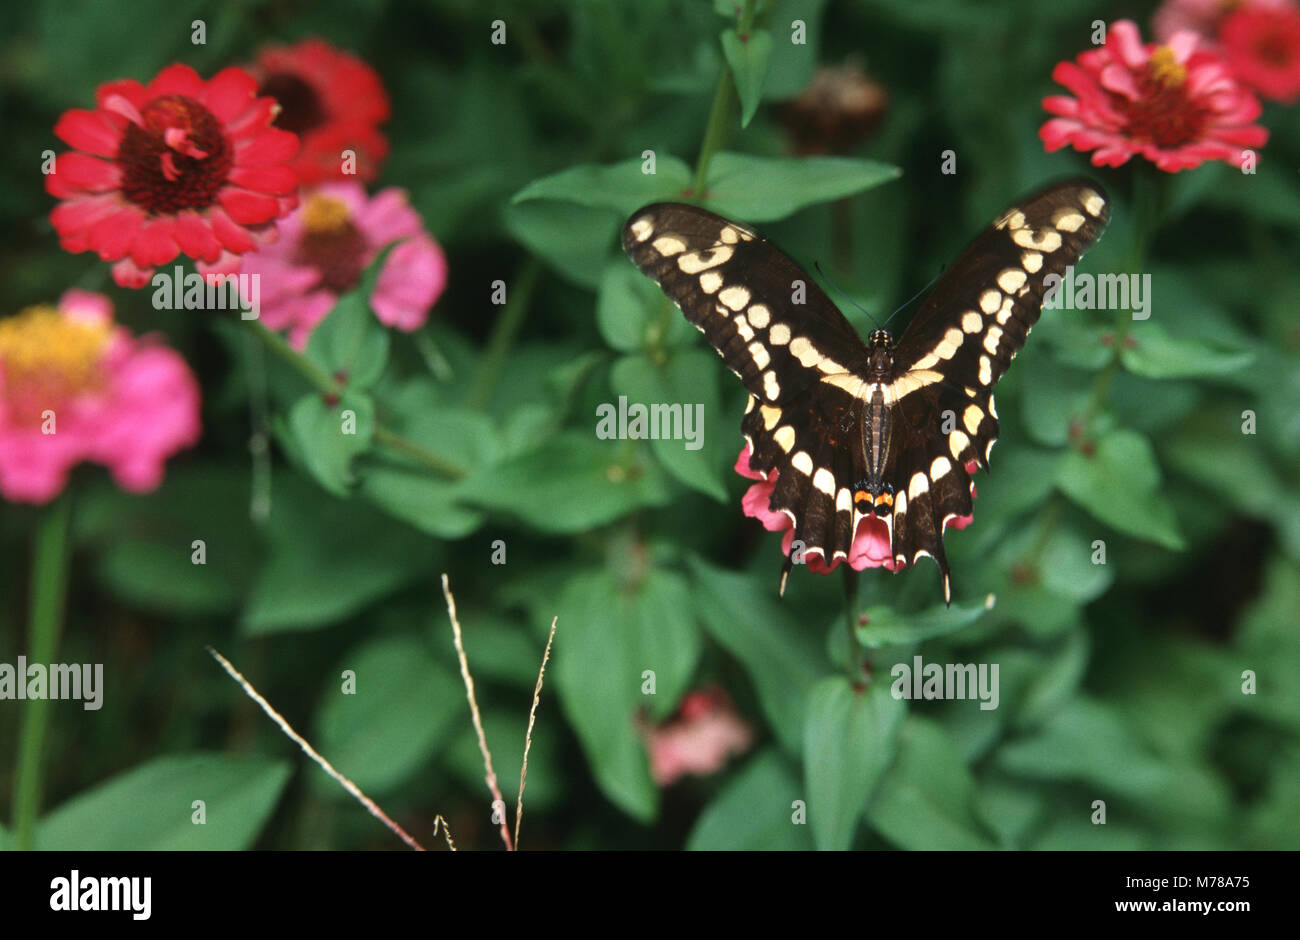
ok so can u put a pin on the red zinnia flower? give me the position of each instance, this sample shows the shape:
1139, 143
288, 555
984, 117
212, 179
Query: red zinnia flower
180, 166
1176, 105
333, 101
1262, 45
870, 547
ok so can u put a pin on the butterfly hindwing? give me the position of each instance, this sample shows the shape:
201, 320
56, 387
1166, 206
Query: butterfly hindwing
932, 484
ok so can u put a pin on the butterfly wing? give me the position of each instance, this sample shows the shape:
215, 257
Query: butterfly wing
781, 335
960, 343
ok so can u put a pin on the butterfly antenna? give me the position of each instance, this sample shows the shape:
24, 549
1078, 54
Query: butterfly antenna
842, 293
914, 296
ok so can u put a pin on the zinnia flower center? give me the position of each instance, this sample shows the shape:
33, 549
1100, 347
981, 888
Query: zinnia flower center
1273, 50
301, 109
175, 158
48, 359
1164, 68
1162, 113
331, 243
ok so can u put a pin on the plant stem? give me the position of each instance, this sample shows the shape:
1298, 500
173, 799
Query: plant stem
324, 383
724, 100
48, 599
719, 123
852, 581
317, 376
1100, 390
503, 334
1046, 527
392, 439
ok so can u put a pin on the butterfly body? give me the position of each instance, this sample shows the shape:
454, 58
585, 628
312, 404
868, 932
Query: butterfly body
881, 433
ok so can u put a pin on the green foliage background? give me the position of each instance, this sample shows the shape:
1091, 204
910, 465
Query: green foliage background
1120, 682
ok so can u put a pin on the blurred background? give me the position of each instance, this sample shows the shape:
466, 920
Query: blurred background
1124, 682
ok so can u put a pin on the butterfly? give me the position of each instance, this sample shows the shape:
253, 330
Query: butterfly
885, 432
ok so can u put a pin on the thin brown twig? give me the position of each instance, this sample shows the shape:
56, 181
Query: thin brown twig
528, 736
446, 831
498, 804
311, 752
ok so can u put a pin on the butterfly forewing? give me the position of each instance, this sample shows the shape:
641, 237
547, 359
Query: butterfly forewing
832, 418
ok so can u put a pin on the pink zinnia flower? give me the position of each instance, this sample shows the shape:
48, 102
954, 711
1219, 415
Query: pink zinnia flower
1176, 105
704, 734
74, 387
328, 243
333, 101
870, 547
178, 166
1262, 46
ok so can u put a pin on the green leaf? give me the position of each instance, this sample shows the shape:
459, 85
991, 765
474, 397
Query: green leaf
143, 548
927, 799
350, 342
793, 64
609, 636
548, 759
754, 810
1156, 354
1090, 742
1066, 568
687, 384
1042, 584
1267, 643
327, 559
572, 483
762, 189
1021, 478
330, 436
1009, 808
573, 239
850, 736
1053, 685
1052, 399
150, 807
780, 656
502, 648
887, 627
1230, 466
1075, 344
416, 493
633, 315
404, 704
623, 187
748, 59
1120, 485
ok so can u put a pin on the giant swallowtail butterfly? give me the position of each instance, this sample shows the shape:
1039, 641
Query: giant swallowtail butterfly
855, 430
